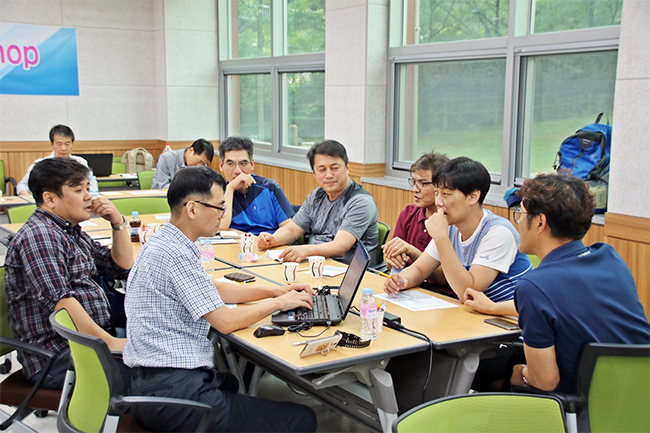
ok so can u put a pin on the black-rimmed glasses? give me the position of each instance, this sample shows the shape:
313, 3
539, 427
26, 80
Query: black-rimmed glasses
222, 209
516, 215
419, 183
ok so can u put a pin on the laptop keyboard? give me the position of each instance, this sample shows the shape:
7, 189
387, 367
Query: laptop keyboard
318, 311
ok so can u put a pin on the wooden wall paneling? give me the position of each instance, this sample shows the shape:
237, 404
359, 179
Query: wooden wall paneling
296, 184
389, 201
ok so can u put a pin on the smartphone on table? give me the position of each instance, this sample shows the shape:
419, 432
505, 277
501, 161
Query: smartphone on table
502, 323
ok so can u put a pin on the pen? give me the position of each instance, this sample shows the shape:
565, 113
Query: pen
300, 343
377, 272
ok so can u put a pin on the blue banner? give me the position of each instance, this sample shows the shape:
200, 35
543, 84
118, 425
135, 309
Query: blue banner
38, 60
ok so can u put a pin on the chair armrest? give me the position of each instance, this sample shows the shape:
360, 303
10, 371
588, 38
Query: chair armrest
10, 180
570, 402
121, 404
27, 347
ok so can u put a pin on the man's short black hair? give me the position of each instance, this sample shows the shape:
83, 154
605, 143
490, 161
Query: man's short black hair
193, 183
203, 146
236, 143
429, 161
61, 130
50, 174
330, 148
566, 201
465, 175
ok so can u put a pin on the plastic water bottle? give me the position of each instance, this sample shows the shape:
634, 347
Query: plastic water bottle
135, 224
207, 256
94, 189
368, 310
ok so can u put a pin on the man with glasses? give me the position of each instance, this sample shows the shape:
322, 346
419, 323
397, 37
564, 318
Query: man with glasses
255, 204
171, 303
62, 139
577, 294
199, 153
475, 247
410, 236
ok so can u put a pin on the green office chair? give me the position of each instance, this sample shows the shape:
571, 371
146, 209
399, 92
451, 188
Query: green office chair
20, 214
484, 413
96, 403
16, 391
143, 205
384, 231
4, 181
118, 167
534, 260
145, 178
118, 159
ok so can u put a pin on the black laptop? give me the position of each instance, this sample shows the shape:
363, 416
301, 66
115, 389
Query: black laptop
100, 163
331, 309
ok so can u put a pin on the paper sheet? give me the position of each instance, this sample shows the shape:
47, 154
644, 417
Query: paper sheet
229, 233
415, 301
163, 217
110, 193
220, 240
87, 224
333, 271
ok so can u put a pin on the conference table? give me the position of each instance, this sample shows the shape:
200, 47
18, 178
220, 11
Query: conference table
117, 177
15, 200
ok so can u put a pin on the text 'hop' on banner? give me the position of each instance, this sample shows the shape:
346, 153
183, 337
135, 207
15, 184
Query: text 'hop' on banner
38, 60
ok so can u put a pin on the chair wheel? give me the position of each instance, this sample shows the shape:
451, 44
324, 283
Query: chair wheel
40, 413
5, 367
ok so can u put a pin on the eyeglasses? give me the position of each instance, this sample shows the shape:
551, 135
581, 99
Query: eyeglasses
242, 164
516, 215
419, 183
222, 209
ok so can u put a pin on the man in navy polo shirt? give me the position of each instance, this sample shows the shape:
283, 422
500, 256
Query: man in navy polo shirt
253, 203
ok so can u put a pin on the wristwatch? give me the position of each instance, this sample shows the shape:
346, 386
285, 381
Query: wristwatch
121, 226
522, 374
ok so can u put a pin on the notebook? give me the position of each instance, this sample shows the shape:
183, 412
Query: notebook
100, 163
331, 308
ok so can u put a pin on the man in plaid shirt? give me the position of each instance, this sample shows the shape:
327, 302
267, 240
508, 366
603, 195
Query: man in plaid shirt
50, 264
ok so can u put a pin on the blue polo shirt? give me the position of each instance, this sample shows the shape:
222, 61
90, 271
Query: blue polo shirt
579, 295
262, 208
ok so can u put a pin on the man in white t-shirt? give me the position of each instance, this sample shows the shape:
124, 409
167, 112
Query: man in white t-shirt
62, 139
475, 247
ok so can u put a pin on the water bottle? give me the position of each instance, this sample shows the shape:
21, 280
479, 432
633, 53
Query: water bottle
207, 256
368, 310
135, 224
94, 189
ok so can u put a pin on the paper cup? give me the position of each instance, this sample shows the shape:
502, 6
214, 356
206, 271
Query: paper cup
316, 265
246, 241
290, 271
154, 227
379, 321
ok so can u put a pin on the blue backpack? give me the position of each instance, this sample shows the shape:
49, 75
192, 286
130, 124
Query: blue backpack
586, 154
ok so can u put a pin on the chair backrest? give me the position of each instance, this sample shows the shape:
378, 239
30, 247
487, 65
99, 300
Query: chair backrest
145, 178
20, 214
118, 159
97, 378
485, 413
534, 260
5, 328
384, 231
3, 182
143, 205
118, 167
615, 379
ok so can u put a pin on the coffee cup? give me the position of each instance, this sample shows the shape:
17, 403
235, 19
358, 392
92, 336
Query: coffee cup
316, 265
290, 271
246, 241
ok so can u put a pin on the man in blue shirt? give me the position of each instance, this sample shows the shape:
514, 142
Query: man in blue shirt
171, 304
253, 203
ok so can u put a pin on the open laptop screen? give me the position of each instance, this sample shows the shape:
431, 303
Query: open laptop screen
100, 163
352, 278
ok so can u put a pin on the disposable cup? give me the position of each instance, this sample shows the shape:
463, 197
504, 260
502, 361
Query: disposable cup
290, 271
246, 241
316, 265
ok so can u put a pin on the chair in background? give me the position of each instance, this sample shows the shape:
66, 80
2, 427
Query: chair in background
534, 260
118, 167
16, 391
484, 413
118, 159
145, 178
97, 403
142, 205
4, 181
20, 214
384, 231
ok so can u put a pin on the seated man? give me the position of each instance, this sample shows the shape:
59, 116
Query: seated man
410, 236
475, 247
338, 214
576, 295
253, 203
62, 139
171, 304
51, 263
199, 153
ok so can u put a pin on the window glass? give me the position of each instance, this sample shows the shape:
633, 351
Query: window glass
303, 102
305, 26
555, 15
428, 21
249, 106
455, 108
562, 93
252, 35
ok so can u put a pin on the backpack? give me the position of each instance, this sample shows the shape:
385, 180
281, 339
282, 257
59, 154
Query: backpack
586, 155
137, 160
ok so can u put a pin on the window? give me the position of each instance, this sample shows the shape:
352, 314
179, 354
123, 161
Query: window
503, 82
272, 66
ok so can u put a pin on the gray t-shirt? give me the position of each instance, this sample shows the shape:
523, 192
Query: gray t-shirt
353, 211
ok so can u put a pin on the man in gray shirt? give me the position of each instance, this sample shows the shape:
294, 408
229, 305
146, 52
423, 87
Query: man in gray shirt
338, 214
199, 153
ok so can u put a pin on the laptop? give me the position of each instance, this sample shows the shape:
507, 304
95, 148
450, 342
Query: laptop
331, 309
100, 163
